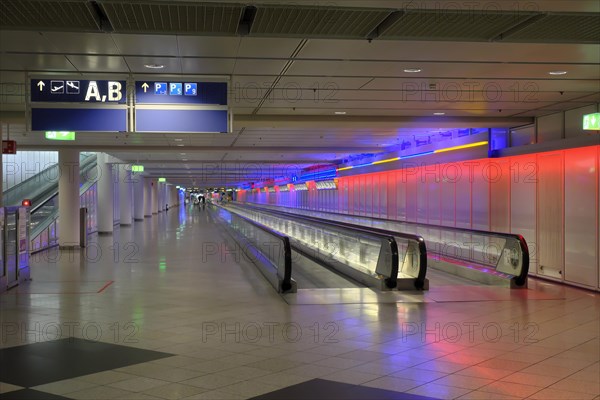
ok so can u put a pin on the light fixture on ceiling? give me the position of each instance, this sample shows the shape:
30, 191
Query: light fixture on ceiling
412, 70
557, 72
178, 140
180, 145
154, 66
439, 113
184, 159
340, 112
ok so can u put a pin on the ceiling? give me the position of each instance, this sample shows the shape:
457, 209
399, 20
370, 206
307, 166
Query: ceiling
291, 67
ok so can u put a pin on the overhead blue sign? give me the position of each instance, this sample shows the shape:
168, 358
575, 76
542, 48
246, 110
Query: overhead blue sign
78, 91
79, 119
181, 92
172, 120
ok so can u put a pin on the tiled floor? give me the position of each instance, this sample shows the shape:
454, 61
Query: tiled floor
176, 284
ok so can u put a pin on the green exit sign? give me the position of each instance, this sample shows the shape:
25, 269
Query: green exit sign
60, 135
137, 168
591, 122
162, 179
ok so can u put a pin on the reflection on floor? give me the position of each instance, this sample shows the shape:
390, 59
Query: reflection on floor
194, 319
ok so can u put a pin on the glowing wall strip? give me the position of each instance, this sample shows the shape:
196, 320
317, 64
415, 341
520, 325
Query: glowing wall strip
464, 146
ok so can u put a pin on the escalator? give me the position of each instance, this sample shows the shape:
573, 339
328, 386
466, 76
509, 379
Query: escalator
42, 190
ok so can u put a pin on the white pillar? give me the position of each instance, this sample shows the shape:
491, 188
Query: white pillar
159, 196
147, 197
125, 194
154, 184
105, 195
138, 197
68, 198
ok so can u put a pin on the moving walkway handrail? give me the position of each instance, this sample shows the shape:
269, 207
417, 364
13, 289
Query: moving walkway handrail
391, 281
520, 279
286, 283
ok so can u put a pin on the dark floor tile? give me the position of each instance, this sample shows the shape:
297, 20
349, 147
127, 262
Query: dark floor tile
30, 394
40, 363
322, 389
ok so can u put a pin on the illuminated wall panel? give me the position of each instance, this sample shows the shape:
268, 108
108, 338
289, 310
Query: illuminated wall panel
550, 214
376, 197
523, 210
392, 202
480, 195
422, 206
581, 209
434, 200
383, 195
367, 188
499, 176
448, 195
401, 185
411, 197
463, 198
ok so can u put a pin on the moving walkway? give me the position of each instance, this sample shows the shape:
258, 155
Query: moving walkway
461, 255
370, 256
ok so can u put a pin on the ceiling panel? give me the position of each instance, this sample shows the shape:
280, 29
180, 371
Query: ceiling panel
208, 46
34, 62
265, 67
24, 41
82, 42
149, 45
99, 63
442, 70
207, 66
453, 51
506, 86
267, 47
171, 65
325, 86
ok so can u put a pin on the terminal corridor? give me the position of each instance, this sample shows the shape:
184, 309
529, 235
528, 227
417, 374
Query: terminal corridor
172, 308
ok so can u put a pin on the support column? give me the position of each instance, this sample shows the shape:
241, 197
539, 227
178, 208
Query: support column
105, 195
154, 186
68, 198
125, 194
147, 197
139, 192
159, 196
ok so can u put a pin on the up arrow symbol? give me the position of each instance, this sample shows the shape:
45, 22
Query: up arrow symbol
41, 85
145, 86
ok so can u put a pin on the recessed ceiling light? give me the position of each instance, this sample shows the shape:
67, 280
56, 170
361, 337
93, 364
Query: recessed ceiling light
184, 159
439, 113
412, 70
154, 66
178, 140
181, 145
183, 154
557, 72
340, 113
